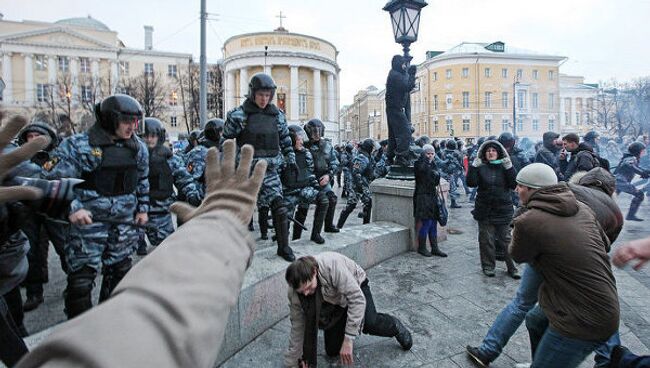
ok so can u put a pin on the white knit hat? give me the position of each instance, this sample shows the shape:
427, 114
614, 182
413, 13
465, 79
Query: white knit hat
536, 176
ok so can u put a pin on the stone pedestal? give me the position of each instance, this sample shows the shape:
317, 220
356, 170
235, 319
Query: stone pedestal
392, 200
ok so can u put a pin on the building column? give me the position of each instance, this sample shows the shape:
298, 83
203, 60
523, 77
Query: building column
294, 95
243, 84
331, 98
94, 70
74, 76
318, 106
573, 112
114, 78
7, 94
562, 113
30, 88
229, 93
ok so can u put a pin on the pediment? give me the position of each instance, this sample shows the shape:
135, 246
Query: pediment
55, 37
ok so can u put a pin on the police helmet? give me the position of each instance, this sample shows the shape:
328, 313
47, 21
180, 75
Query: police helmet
153, 126
591, 136
296, 131
368, 145
507, 140
451, 144
636, 148
261, 81
315, 129
195, 135
423, 140
182, 136
116, 109
349, 148
213, 129
42, 129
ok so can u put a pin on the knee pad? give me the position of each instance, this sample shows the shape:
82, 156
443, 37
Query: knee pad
119, 269
80, 282
277, 204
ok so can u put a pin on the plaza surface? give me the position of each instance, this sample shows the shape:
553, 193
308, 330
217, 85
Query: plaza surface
446, 303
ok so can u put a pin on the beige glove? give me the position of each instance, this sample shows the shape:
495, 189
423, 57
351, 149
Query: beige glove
13, 158
228, 188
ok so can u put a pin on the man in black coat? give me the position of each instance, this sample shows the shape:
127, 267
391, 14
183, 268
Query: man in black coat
398, 87
550, 152
582, 158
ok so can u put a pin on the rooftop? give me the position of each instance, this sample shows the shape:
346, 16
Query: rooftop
88, 22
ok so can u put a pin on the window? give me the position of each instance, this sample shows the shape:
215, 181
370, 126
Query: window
465, 100
551, 124
302, 103
42, 92
450, 124
520, 125
148, 69
173, 99
465, 125
449, 101
488, 99
435, 76
535, 125
435, 102
465, 72
520, 74
505, 125
64, 64
488, 125
578, 118
504, 100
173, 121
84, 65
488, 72
504, 73
86, 94
551, 75
551, 101
535, 74
535, 100
171, 71
124, 68
521, 99
435, 126
41, 62
448, 72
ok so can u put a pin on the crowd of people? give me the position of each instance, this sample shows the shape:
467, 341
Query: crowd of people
130, 179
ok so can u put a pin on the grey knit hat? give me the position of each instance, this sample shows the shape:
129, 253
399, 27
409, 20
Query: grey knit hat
536, 176
428, 148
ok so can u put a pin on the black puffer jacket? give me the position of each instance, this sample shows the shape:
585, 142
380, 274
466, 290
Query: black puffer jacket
583, 159
495, 185
549, 153
427, 179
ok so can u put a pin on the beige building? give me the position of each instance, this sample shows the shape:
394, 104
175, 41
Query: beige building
63, 67
578, 105
304, 68
363, 118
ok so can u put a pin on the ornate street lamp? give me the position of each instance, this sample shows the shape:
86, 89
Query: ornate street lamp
405, 18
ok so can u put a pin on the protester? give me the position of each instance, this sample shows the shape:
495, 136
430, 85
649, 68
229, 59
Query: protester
425, 209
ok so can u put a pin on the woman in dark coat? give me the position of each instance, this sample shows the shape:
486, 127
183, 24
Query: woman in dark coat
425, 210
495, 177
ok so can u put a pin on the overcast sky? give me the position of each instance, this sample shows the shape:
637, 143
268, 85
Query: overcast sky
603, 39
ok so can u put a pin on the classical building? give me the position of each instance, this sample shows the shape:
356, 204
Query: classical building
578, 104
62, 68
304, 68
363, 118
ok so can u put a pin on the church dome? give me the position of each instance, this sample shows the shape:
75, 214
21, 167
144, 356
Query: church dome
88, 22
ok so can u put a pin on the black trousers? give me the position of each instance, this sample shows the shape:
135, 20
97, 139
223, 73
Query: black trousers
40, 232
377, 324
12, 347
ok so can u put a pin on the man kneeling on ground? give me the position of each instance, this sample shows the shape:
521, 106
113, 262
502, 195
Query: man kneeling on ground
330, 291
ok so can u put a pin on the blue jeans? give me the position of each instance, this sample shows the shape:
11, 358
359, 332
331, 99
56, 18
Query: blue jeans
630, 360
511, 317
552, 349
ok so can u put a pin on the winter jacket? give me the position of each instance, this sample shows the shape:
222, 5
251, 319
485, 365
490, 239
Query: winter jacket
549, 153
519, 158
340, 281
583, 159
398, 84
495, 184
628, 168
561, 238
427, 179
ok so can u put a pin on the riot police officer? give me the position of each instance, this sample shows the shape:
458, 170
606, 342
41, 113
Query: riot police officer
325, 167
114, 163
347, 155
212, 133
363, 171
260, 123
300, 188
625, 172
165, 171
195, 159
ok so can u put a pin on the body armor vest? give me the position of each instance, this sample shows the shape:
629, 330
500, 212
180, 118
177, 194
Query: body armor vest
368, 172
116, 175
296, 180
321, 154
261, 131
161, 180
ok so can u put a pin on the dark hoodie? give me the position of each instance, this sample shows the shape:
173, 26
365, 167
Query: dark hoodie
560, 237
398, 84
549, 153
583, 159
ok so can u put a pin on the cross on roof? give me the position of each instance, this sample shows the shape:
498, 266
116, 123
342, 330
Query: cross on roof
281, 17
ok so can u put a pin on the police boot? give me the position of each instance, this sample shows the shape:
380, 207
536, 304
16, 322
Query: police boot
250, 225
111, 276
34, 297
329, 216
435, 250
634, 207
454, 204
367, 209
77, 298
344, 215
263, 220
281, 224
301, 216
322, 208
422, 246
142, 248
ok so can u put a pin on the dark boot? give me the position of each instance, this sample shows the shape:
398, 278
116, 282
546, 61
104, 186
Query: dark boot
435, 250
422, 246
34, 297
77, 295
263, 220
634, 207
281, 224
454, 204
319, 220
403, 336
344, 215
367, 209
250, 225
111, 276
329, 216
477, 357
301, 216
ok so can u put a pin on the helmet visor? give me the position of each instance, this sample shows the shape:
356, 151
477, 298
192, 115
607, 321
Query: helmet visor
135, 120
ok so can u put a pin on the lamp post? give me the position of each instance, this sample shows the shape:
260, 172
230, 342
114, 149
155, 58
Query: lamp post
405, 19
